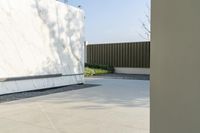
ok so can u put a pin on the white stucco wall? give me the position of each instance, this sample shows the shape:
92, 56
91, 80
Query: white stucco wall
175, 63
40, 37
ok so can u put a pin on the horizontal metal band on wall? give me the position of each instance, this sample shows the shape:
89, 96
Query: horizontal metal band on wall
130, 54
36, 77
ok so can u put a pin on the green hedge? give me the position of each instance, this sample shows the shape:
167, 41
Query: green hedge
89, 72
95, 71
104, 67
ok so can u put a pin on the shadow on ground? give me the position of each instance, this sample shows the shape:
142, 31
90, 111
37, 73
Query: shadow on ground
97, 93
124, 76
114, 92
43, 92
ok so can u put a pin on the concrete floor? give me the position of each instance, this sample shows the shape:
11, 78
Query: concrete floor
115, 106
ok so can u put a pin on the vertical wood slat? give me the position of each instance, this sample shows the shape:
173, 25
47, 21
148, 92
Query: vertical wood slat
133, 54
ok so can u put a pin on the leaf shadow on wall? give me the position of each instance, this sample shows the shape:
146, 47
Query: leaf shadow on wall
64, 41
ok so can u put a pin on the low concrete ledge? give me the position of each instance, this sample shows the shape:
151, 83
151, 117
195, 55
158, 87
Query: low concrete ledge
14, 86
125, 70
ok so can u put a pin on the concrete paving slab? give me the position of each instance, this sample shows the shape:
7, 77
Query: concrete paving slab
115, 106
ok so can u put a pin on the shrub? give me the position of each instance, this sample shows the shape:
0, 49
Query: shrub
95, 71
104, 67
89, 72
101, 71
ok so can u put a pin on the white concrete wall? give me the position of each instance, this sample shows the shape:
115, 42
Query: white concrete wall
126, 70
40, 37
175, 63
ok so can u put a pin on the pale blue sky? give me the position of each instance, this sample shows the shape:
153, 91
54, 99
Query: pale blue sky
113, 20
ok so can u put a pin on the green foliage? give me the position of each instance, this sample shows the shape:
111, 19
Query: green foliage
100, 71
89, 72
94, 71
103, 67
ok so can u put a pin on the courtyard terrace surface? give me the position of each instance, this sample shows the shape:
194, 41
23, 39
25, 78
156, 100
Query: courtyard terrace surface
110, 106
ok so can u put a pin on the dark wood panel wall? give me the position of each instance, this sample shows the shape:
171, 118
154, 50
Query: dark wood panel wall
131, 54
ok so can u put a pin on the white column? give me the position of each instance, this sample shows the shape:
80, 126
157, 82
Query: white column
85, 51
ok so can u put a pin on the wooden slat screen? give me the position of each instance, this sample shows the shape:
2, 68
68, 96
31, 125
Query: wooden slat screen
131, 54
